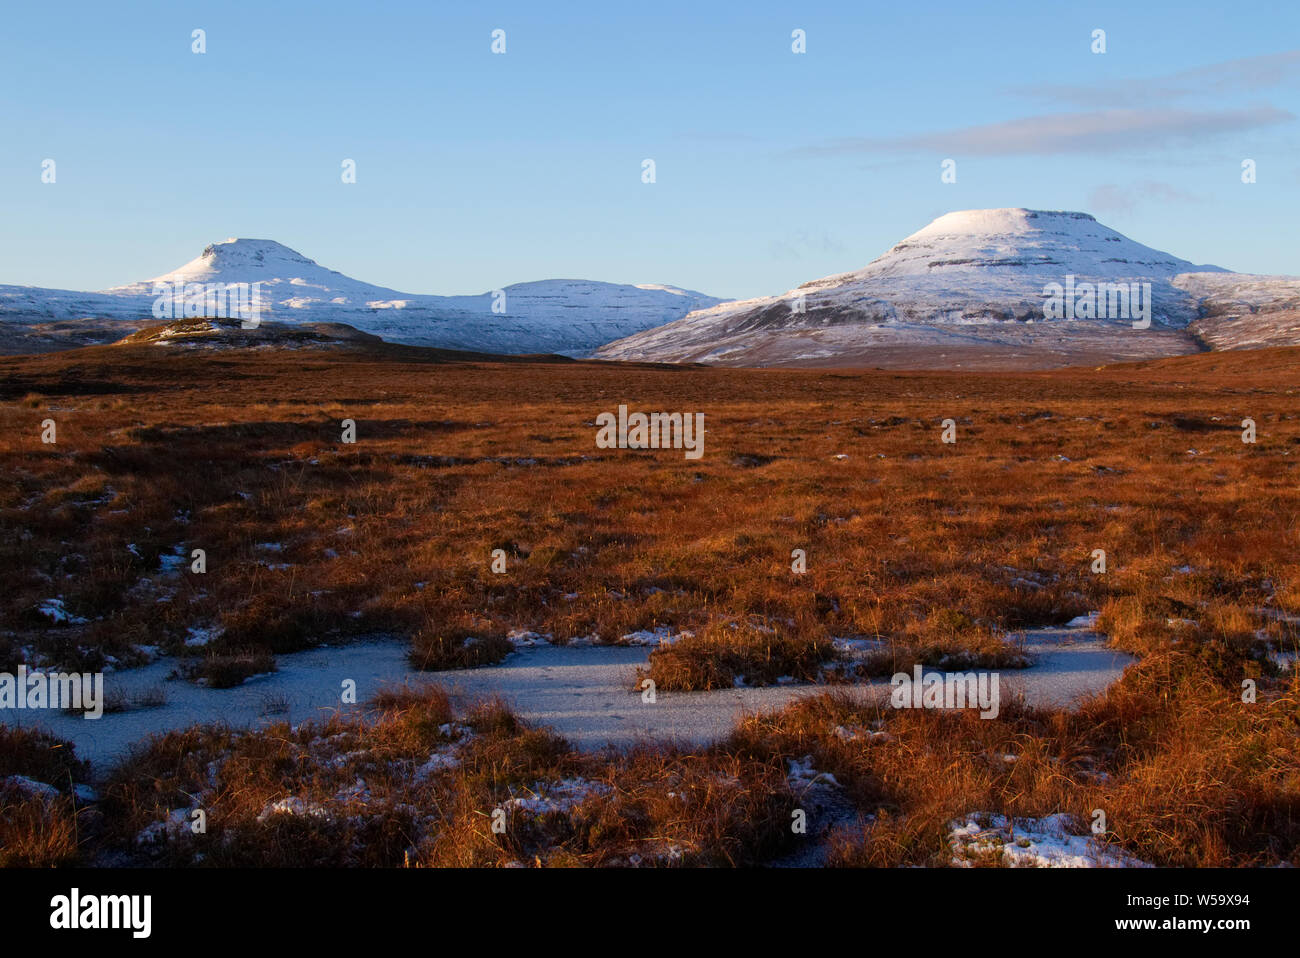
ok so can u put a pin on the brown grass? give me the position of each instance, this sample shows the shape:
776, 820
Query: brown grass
225, 670
942, 553
436, 649
36, 831
366, 801
719, 656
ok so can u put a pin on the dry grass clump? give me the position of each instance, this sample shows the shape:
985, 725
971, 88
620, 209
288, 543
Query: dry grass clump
36, 832
723, 656
39, 828
951, 640
225, 670
436, 648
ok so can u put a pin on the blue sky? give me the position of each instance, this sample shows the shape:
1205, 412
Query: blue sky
477, 170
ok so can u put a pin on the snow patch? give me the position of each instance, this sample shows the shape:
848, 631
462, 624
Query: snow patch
1030, 843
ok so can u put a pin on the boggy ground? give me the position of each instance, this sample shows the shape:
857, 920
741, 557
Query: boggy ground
935, 551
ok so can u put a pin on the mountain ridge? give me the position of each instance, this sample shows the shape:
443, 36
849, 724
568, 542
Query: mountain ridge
564, 316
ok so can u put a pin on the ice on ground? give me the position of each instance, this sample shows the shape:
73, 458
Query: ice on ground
660, 635
175, 825
802, 773
446, 757
525, 639
358, 791
1285, 661
30, 787
856, 648
293, 806
54, 610
984, 838
1088, 621
443, 760
856, 733
173, 562
586, 695
199, 636
562, 796
85, 793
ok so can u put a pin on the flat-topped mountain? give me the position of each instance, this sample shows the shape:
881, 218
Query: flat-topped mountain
971, 284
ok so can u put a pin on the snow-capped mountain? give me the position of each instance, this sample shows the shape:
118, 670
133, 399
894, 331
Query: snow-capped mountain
557, 315
971, 280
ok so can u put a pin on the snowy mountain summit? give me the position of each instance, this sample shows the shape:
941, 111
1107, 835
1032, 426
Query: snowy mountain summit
1008, 241
288, 279
973, 279
247, 254
550, 316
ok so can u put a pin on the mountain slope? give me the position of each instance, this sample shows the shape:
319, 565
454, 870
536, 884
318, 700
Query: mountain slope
970, 283
1244, 311
556, 316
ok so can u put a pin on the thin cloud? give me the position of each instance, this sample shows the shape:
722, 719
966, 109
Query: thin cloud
794, 246
1112, 198
1100, 131
1245, 75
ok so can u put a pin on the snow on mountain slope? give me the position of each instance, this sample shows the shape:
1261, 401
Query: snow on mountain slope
289, 279
1244, 311
561, 316
32, 304
970, 279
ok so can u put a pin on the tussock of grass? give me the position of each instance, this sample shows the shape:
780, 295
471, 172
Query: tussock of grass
225, 670
40, 756
37, 831
719, 656
437, 649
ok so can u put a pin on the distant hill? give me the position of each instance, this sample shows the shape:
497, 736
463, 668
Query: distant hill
565, 316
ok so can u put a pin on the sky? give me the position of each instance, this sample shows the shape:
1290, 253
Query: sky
475, 169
